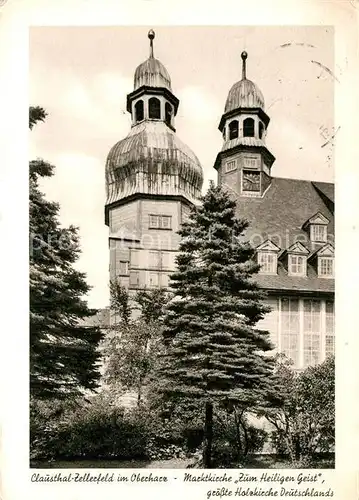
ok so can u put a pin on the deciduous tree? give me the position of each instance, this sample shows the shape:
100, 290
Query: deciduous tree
305, 419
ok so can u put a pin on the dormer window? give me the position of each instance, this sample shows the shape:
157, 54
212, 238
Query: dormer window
233, 129
318, 233
248, 127
325, 256
268, 257
326, 267
318, 228
268, 262
297, 260
296, 265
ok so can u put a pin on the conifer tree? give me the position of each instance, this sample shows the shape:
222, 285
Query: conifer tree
63, 351
215, 352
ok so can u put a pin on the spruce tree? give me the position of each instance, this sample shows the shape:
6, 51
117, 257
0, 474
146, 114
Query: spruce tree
63, 351
215, 352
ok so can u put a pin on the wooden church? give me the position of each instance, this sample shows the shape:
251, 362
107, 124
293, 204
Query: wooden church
153, 178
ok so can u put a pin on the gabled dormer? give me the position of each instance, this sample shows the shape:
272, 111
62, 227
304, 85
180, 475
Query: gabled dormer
323, 259
317, 228
267, 255
295, 259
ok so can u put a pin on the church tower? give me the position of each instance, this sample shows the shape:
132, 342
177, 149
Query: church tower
152, 180
244, 162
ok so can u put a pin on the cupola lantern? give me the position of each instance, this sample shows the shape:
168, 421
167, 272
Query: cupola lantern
244, 162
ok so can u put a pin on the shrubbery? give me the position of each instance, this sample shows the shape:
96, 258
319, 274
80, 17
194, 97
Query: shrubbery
90, 430
304, 423
96, 428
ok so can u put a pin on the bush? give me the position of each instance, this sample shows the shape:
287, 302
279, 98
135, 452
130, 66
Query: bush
233, 442
91, 430
304, 421
96, 428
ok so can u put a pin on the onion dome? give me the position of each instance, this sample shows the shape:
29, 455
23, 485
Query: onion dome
245, 93
152, 160
151, 72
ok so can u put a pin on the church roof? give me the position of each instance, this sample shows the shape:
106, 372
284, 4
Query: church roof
244, 94
325, 188
279, 216
152, 73
153, 153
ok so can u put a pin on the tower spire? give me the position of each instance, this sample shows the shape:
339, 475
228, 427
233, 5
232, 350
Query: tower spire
244, 56
151, 36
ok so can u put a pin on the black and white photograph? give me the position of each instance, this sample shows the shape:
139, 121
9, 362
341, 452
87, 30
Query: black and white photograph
182, 253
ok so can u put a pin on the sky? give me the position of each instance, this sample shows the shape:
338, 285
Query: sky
81, 76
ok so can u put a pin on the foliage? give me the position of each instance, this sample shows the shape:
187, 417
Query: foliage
152, 303
214, 350
36, 114
131, 347
92, 429
63, 351
304, 423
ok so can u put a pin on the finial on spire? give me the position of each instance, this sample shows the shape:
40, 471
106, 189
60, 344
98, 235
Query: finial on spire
244, 56
151, 36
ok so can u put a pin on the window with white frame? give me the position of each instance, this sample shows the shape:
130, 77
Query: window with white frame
230, 166
305, 330
165, 222
318, 232
311, 332
123, 267
326, 267
154, 221
160, 222
296, 265
329, 328
290, 325
268, 262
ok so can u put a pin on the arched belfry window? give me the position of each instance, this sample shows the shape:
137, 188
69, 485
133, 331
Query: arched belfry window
233, 129
248, 127
261, 130
139, 115
154, 108
168, 113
